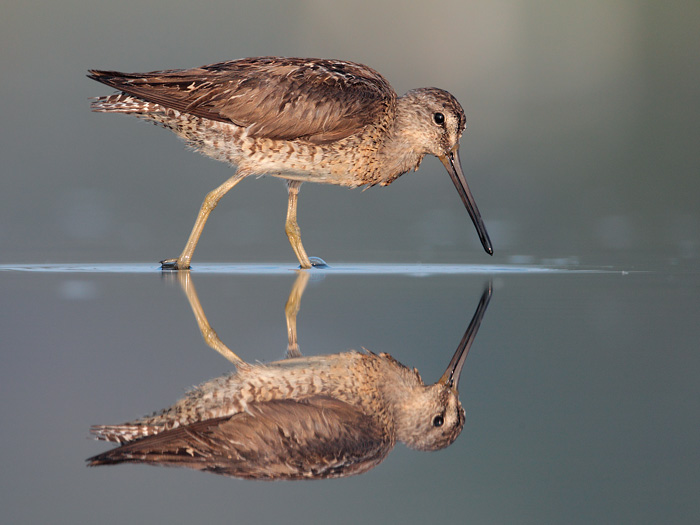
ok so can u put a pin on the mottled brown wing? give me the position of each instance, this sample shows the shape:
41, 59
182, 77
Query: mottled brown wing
278, 98
313, 438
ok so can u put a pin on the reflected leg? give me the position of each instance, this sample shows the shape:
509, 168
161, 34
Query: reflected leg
291, 309
208, 333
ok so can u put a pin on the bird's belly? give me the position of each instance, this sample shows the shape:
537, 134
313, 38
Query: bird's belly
322, 178
306, 170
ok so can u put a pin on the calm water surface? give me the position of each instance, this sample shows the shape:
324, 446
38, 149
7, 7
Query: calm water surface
581, 390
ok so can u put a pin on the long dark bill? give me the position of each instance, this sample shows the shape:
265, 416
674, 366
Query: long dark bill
454, 369
454, 168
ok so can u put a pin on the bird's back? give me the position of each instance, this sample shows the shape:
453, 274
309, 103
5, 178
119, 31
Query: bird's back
277, 98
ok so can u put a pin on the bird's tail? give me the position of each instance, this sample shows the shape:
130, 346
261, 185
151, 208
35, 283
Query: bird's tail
123, 433
120, 103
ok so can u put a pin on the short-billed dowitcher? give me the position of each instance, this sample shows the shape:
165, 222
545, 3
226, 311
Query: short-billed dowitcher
300, 119
300, 418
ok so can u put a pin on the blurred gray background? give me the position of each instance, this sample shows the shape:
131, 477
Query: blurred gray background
581, 390
582, 137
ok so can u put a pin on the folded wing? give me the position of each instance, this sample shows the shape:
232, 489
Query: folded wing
312, 438
278, 98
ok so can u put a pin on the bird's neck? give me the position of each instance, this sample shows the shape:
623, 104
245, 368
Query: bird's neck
407, 411
400, 152
403, 390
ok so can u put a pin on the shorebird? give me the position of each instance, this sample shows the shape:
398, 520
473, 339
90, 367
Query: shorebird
300, 119
300, 418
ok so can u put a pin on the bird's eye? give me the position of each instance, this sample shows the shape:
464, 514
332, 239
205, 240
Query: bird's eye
439, 118
438, 421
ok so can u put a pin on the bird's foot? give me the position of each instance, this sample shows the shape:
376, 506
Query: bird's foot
317, 262
172, 264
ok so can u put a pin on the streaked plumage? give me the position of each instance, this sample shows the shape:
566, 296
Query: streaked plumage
300, 418
300, 119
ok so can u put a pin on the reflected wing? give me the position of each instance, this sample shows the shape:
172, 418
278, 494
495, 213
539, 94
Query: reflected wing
277, 98
318, 437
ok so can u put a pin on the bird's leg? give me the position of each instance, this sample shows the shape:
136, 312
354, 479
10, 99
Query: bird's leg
291, 226
208, 333
291, 309
210, 202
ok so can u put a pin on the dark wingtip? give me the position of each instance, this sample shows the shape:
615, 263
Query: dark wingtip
95, 74
96, 461
105, 77
106, 458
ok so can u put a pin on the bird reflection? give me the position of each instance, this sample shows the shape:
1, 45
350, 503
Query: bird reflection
299, 418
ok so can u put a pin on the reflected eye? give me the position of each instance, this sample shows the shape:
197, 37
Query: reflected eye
438, 421
439, 118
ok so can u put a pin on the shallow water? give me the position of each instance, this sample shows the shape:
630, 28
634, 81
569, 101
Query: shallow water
581, 388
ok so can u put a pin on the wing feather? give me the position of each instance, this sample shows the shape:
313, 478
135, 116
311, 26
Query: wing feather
277, 98
317, 437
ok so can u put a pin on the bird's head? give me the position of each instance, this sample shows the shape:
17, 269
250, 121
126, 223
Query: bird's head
431, 417
433, 123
